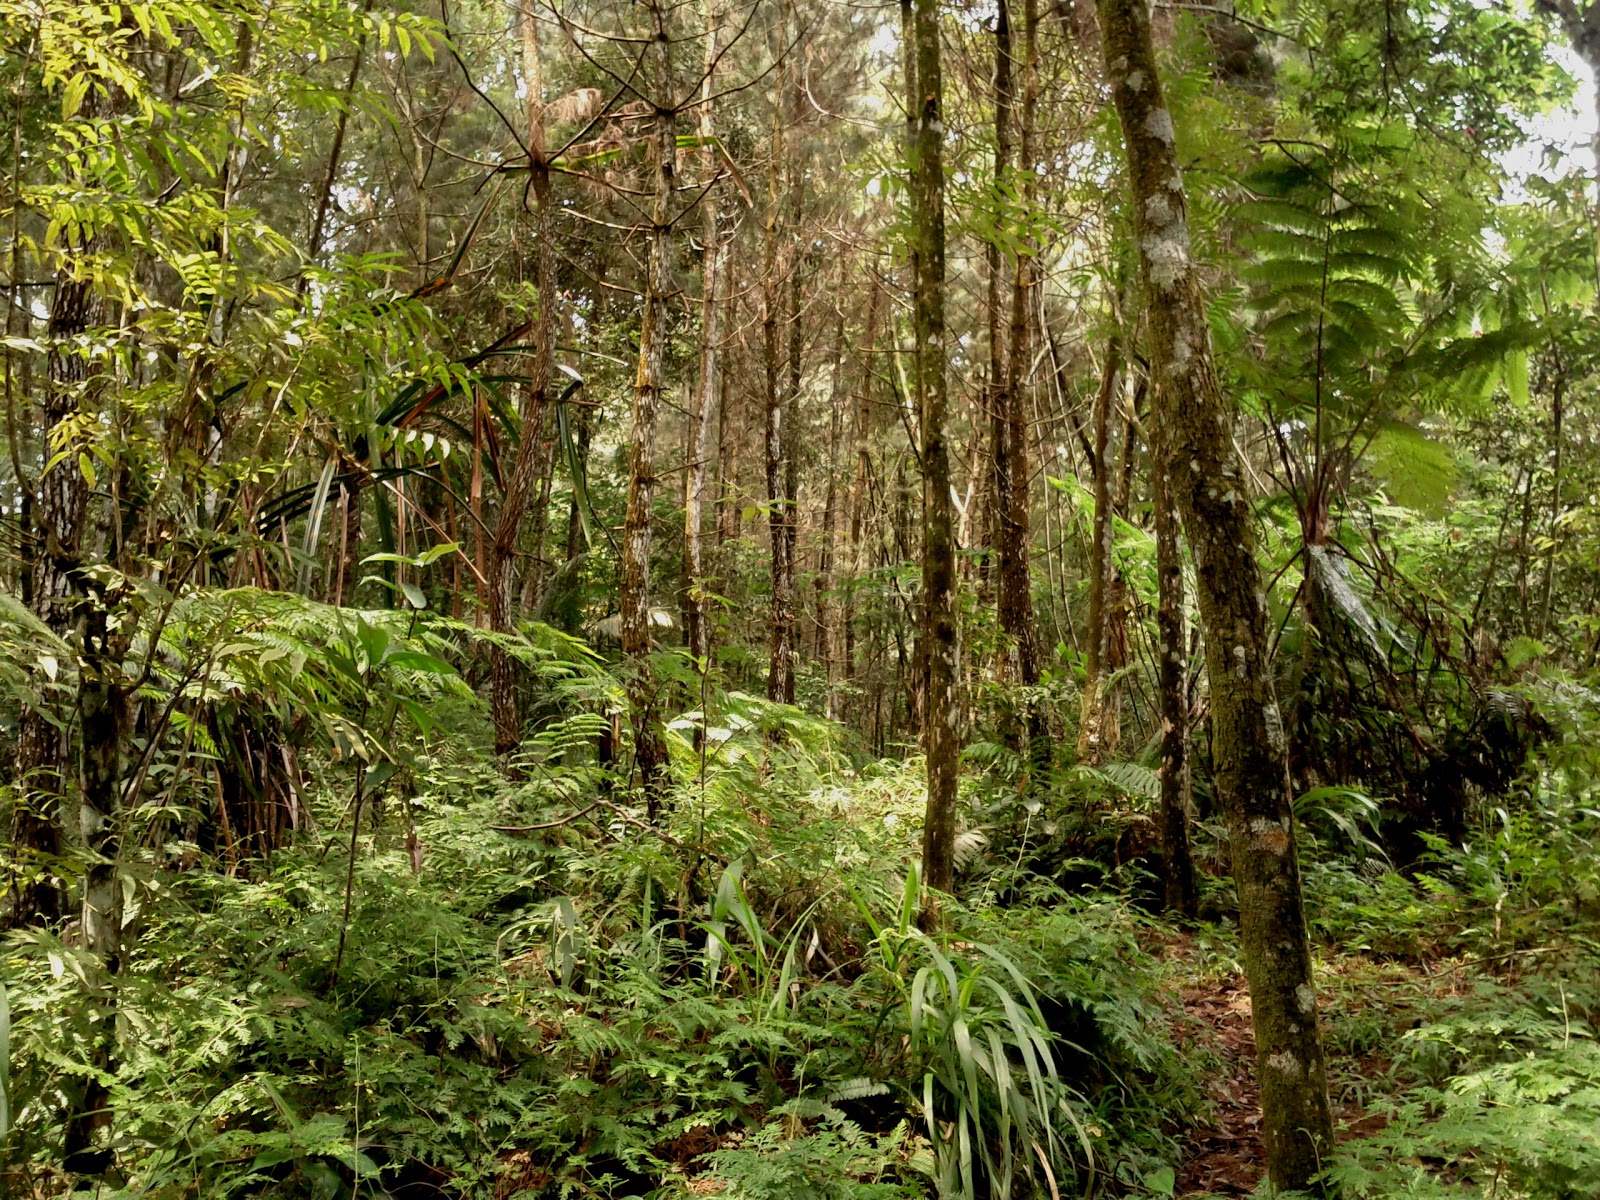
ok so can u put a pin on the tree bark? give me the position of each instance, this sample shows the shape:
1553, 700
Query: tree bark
730, 441
696, 622
940, 737
62, 500
997, 485
525, 466
1011, 448
862, 481
650, 751
1107, 461
102, 711
1177, 855
780, 669
794, 364
1205, 478
827, 602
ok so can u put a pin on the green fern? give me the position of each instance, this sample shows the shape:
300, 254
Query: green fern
1132, 779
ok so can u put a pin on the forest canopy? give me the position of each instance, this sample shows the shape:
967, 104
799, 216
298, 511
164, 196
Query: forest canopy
920, 598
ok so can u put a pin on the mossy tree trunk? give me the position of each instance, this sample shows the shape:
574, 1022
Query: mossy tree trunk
939, 712
1195, 450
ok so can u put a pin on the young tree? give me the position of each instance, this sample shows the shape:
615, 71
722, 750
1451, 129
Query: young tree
1177, 858
1012, 476
1097, 732
696, 621
778, 409
1202, 468
650, 750
524, 469
940, 717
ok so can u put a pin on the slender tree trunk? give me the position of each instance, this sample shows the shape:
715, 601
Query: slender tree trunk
1177, 856
1016, 580
103, 712
862, 482
480, 438
1107, 461
826, 601
694, 568
730, 441
650, 749
1557, 446
1197, 455
780, 670
525, 466
62, 499
538, 576
940, 735
1114, 648
997, 486
349, 535
794, 363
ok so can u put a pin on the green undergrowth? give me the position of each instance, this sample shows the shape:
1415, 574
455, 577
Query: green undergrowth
541, 992
738, 1002
1464, 1002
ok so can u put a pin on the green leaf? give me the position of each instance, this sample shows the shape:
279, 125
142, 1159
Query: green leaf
1418, 472
416, 660
434, 553
374, 641
1516, 376
420, 716
1162, 1182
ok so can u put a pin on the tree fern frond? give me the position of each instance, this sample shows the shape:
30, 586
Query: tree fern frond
1131, 778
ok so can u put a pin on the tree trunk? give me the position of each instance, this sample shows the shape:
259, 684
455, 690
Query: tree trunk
862, 481
62, 497
650, 751
525, 467
1102, 566
1205, 477
344, 576
940, 737
730, 441
697, 625
827, 602
780, 669
103, 729
794, 363
997, 485
1177, 856
1011, 448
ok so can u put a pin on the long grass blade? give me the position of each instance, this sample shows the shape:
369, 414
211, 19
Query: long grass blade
319, 506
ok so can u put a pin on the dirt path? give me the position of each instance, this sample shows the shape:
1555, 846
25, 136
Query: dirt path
1225, 1158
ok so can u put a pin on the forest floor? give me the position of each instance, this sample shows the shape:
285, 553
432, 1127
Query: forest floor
1225, 1156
